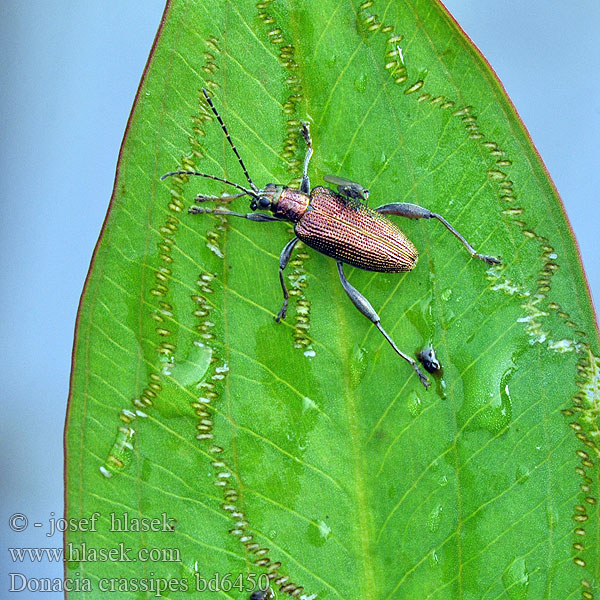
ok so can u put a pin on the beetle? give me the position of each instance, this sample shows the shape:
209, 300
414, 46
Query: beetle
335, 223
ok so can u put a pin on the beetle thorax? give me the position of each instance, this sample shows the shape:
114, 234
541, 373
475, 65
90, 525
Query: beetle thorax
292, 205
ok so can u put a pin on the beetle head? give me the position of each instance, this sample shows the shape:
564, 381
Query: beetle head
267, 198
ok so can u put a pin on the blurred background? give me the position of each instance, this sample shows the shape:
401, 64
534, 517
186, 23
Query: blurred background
69, 73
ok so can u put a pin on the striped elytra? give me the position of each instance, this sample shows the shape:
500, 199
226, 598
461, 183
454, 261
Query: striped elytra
349, 231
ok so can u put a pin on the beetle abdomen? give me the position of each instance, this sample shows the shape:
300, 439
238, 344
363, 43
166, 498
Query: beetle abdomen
355, 234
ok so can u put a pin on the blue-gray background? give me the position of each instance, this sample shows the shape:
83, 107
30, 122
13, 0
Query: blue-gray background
69, 75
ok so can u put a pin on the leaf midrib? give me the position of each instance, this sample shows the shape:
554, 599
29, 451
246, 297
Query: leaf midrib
365, 535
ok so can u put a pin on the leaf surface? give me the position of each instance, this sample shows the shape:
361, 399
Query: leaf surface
308, 450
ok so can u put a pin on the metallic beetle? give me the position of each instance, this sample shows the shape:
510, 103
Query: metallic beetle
336, 223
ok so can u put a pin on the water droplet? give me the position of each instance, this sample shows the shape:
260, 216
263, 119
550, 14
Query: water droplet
400, 55
434, 519
488, 407
445, 295
360, 83
505, 399
318, 533
324, 529
414, 404
434, 559
194, 366
516, 580
358, 365
379, 163
308, 404
105, 472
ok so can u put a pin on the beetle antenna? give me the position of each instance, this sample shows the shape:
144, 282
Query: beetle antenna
252, 184
239, 187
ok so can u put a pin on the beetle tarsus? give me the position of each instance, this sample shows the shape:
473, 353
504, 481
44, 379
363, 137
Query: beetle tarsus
283, 312
408, 359
422, 376
306, 133
490, 260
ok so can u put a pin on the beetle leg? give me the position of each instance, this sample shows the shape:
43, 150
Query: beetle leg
283, 261
413, 211
364, 306
196, 210
305, 185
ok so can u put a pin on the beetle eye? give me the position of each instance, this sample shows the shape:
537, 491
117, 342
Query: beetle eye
264, 202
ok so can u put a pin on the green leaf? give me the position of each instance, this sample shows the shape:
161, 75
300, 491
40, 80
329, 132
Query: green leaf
309, 450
